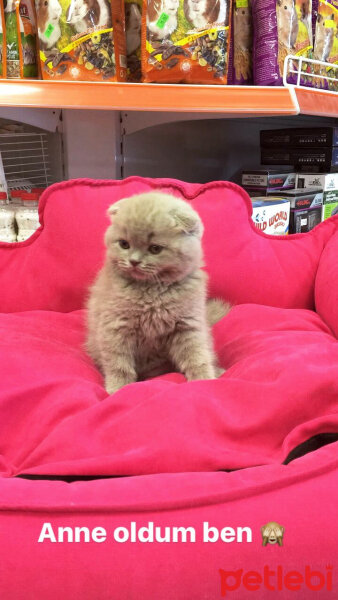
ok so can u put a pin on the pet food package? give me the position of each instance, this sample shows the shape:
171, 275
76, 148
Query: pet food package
241, 43
21, 45
326, 42
281, 27
3, 70
271, 215
133, 19
186, 41
82, 40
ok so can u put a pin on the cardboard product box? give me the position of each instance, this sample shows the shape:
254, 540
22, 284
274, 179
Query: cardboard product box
304, 159
271, 215
330, 204
306, 208
261, 182
326, 181
302, 221
315, 137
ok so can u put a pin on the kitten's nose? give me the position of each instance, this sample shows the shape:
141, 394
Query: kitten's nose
134, 263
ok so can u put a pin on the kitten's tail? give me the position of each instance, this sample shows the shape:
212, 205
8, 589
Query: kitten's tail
216, 310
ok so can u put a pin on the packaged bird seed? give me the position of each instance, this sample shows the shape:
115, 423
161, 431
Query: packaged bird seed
82, 40
241, 41
186, 41
326, 43
21, 48
281, 28
2, 42
133, 17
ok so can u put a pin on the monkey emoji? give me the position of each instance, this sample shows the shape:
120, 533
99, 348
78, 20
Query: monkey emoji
272, 533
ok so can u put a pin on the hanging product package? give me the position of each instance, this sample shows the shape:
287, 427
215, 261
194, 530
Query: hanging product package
326, 43
133, 16
281, 27
241, 44
186, 41
3, 69
21, 48
82, 40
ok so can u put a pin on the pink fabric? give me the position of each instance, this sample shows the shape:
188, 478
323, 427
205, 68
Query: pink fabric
52, 270
326, 288
302, 497
279, 390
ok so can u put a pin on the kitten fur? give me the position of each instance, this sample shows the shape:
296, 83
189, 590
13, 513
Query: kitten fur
147, 309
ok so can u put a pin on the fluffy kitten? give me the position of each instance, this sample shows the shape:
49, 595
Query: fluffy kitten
147, 309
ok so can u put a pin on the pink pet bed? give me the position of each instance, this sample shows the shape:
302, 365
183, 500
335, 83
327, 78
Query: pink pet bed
258, 445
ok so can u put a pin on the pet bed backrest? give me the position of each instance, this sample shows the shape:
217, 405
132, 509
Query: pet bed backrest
53, 269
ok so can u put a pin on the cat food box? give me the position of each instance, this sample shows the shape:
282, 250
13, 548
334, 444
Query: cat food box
82, 40
306, 208
309, 137
186, 41
271, 215
261, 182
328, 182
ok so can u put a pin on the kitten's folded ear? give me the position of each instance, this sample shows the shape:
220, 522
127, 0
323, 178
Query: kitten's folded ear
188, 222
113, 209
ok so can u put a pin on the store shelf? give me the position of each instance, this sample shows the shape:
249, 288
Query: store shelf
232, 100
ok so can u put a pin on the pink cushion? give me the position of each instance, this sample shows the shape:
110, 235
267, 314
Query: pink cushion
326, 289
280, 389
52, 270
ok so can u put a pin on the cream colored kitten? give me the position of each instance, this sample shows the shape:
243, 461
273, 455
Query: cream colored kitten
147, 308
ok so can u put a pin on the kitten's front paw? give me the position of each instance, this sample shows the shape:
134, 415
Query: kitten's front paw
219, 371
201, 372
113, 384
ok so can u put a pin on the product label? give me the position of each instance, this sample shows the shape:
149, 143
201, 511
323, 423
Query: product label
272, 219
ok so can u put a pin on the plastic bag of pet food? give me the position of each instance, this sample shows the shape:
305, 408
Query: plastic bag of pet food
82, 40
21, 48
281, 27
133, 17
326, 43
241, 43
186, 41
2, 42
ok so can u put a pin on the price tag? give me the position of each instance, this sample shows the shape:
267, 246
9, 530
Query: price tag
49, 30
162, 20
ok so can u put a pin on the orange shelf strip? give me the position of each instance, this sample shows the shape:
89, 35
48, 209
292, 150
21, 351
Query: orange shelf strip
242, 101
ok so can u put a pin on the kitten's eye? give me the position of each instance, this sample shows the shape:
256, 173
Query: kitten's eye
155, 249
124, 244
